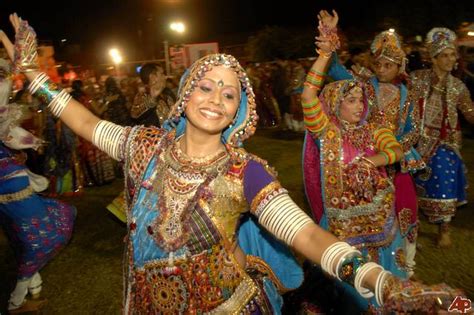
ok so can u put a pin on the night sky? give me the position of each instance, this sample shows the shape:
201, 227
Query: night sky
132, 24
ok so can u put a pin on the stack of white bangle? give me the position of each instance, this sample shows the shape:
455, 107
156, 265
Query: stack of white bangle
283, 218
379, 286
361, 273
59, 102
107, 137
37, 82
339, 252
336, 250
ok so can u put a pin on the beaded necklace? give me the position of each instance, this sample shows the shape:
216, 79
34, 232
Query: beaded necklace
180, 181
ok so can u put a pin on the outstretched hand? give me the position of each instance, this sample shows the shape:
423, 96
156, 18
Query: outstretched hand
410, 296
324, 44
15, 20
327, 20
328, 40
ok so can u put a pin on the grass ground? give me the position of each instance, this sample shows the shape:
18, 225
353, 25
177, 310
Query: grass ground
86, 277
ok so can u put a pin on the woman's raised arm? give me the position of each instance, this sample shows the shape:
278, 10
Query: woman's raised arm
314, 117
77, 117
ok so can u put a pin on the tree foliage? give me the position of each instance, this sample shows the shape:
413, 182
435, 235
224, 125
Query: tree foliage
274, 42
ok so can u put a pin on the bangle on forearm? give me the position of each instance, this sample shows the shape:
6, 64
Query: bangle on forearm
379, 286
330, 255
352, 268
315, 79
50, 93
389, 155
359, 278
108, 137
312, 86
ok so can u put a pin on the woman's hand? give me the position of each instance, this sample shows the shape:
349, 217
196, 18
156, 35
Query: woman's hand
324, 44
328, 40
327, 20
408, 296
361, 72
24, 53
15, 20
2, 35
362, 177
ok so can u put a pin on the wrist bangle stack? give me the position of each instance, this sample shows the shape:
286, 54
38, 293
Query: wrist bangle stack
315, 79
323, 54
389, 155
50, 93
359, 278
347, 264
379, 286
328, 259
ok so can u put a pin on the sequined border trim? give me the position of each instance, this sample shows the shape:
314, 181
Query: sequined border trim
17, 196
246, 290
438, 209
355, 211
254, 262
265, 195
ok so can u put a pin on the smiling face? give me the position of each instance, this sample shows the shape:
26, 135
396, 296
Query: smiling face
352, 106
445, 60
214, 102
386, 70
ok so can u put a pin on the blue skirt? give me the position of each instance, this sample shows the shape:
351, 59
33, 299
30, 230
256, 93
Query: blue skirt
36, 227
442, 187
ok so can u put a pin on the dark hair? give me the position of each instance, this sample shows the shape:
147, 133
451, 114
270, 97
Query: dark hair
111, 85
77, 85
355, 51
19, 94
77, 91
146, 70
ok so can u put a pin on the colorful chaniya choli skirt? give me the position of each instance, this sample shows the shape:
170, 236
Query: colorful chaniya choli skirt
36, 227
442, 186
207, 283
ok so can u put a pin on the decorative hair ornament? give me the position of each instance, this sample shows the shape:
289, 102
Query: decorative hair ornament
387, 44
333, 94
245, 121
440, 38
25, 58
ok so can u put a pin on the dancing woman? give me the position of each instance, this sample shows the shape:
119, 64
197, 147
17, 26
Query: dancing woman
37, 228
187, 186
397, 112
351, 194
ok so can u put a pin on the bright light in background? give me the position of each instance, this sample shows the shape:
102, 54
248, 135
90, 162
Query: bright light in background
116, 56
470, 33
392, 30
178, 27
63, 40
